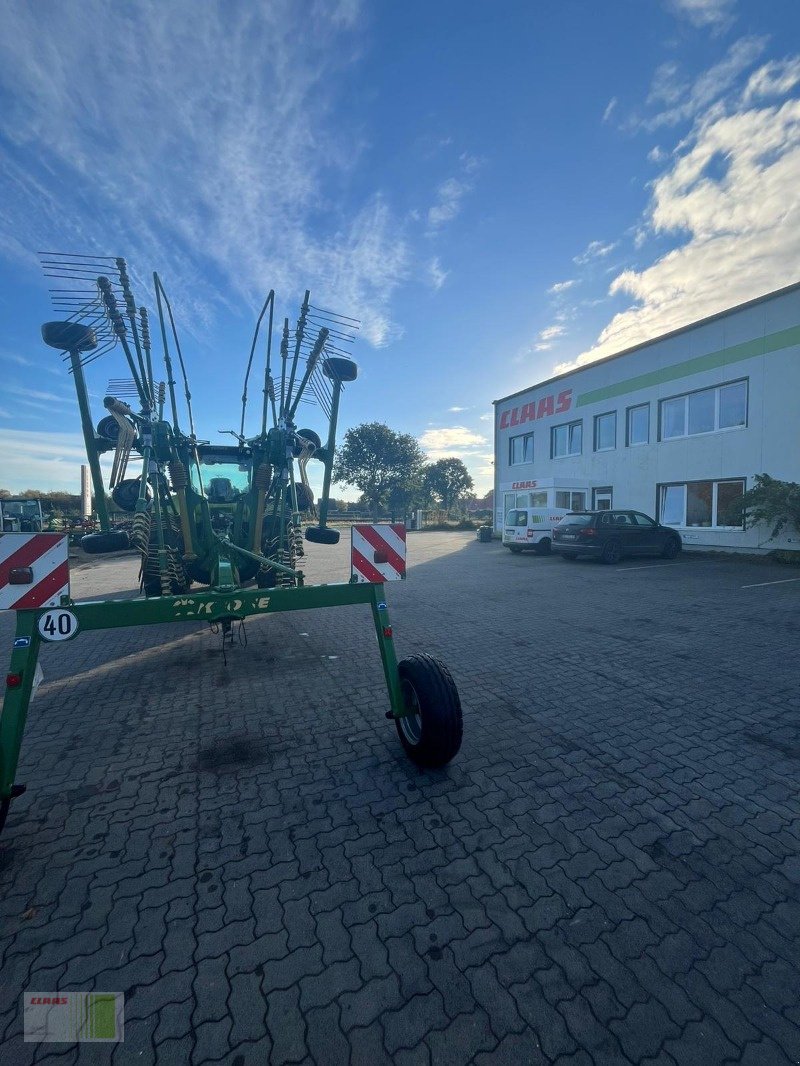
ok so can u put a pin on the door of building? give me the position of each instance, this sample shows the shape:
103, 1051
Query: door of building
601, 499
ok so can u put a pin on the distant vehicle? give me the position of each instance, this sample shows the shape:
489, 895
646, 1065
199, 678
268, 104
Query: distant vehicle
531, 528
610, 535
20, 515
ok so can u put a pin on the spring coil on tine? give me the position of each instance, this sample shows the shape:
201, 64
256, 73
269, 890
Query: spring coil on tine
296, 540
286, 556
178, 474
262, 477
140, 533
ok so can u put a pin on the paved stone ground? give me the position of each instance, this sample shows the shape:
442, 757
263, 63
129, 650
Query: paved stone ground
608, 873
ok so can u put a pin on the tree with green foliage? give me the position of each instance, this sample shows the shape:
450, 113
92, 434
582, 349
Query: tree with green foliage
769, 502
378, 461
447, 481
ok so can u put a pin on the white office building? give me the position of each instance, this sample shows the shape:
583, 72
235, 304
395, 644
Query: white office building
677, 427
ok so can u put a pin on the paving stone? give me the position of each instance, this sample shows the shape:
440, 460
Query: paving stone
408, 1026
591, 881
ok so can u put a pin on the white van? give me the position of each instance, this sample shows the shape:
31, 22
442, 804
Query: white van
530, 528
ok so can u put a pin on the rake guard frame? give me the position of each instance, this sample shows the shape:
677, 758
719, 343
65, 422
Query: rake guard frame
211, 605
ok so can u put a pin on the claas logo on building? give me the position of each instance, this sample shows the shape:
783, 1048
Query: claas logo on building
543, 408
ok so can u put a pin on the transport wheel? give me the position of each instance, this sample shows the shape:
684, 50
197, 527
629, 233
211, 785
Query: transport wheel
671, 548
116, 540
266, 579
543, 547
4, 805
513, 548
612, 552
305, 498
431, 734
322, 535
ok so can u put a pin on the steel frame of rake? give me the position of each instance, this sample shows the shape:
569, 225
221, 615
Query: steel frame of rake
223, 605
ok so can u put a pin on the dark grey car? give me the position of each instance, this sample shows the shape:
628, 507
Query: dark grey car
610, 535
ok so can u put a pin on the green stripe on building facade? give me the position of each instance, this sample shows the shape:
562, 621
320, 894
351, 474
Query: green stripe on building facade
773, 342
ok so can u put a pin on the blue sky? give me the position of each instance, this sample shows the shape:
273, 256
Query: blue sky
496, 189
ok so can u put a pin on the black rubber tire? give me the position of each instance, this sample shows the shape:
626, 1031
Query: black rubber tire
514, 549
267, 579
310, 435
4, 805
612, 552
432, 737
116, 540
671, 549
305, 498
126, 494
108, 429
543, 547
151, 586
322, 535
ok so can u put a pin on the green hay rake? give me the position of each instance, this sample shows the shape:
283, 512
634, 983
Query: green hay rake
220, 528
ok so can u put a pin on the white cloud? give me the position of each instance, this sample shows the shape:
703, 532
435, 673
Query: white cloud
715, 14
208, 154
436, 274
776, 78
35, 394
561, 286
657, 154
451, 192
487, 418
594, 250
456, 410
732, 194
451, 440
685, 99
610, 108
46, 461
448, 202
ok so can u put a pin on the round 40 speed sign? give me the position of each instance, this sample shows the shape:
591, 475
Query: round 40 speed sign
57, 624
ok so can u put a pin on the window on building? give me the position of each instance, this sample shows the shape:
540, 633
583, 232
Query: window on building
710, 504
605, 431
539, 499
520, 449
705, 411
566, 440
571, 501
638, 431
673, 418
727, 505
509, 501
733, 405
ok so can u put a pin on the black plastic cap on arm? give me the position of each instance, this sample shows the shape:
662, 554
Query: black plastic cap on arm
322, 535
69, 336
340, 369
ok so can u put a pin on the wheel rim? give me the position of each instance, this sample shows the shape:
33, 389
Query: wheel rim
612, 553
411, 724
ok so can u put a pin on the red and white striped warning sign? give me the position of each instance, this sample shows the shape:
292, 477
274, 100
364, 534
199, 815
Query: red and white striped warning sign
34, 571
378, 553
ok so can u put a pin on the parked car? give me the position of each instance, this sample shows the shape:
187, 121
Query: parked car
610, 535
531, 528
